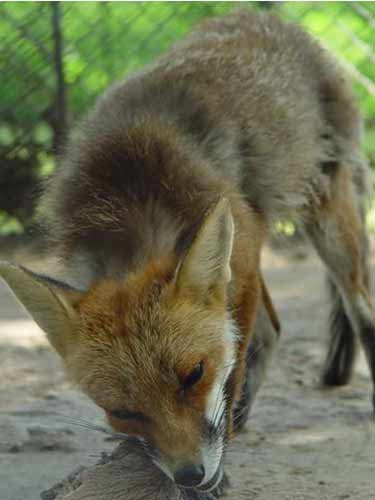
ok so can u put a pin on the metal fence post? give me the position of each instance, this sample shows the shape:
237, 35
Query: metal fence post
60, 115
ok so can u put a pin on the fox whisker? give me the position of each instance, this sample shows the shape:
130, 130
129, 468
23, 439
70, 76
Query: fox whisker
219, 399
85, 424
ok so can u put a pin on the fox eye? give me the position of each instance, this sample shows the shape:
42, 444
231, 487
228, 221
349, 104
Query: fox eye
194, 376
129, 415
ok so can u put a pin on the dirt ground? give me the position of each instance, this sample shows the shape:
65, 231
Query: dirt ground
302, 442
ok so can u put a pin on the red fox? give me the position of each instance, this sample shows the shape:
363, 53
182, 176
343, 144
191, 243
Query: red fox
159, 211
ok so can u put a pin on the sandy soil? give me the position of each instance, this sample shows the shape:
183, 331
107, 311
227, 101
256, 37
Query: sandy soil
302, 442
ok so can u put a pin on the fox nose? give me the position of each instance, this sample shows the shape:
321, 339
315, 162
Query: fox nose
189, 475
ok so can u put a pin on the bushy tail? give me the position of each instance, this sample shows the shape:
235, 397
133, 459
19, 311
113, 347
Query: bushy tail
342, 348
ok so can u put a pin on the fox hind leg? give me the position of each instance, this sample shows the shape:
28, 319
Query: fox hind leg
342, 345
337, 230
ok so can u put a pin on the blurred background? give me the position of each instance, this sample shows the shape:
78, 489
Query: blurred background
57, 57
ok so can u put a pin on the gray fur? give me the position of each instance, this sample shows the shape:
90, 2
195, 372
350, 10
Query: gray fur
251, 99
128, 474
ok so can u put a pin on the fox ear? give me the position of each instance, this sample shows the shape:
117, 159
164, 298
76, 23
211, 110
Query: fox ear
207, 263
48, 301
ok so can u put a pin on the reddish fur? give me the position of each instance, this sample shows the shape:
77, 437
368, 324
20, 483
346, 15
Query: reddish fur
341, 208
111, 313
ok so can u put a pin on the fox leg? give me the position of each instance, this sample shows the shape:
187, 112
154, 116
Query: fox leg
337, 230
342, 345
259, 354
221, 489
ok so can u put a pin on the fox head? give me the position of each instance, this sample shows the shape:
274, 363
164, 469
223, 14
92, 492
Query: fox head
154, 350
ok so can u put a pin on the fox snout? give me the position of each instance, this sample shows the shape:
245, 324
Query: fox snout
189, 475
197, 474
201, 470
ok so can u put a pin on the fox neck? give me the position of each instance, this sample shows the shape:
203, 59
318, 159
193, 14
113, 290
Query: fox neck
157, 212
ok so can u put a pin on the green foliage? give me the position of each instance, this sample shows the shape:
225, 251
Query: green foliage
105, 41
9, 225
347, 34
371, 219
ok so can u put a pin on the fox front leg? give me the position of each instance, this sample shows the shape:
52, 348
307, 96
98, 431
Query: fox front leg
221, 489
266, 334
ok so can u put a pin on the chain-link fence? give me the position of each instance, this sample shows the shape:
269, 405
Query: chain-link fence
55, 58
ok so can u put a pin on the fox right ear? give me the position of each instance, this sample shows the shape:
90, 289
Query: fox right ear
206, 267
48, 301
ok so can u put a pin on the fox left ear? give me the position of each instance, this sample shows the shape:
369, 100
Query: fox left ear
207, 263
48, 301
